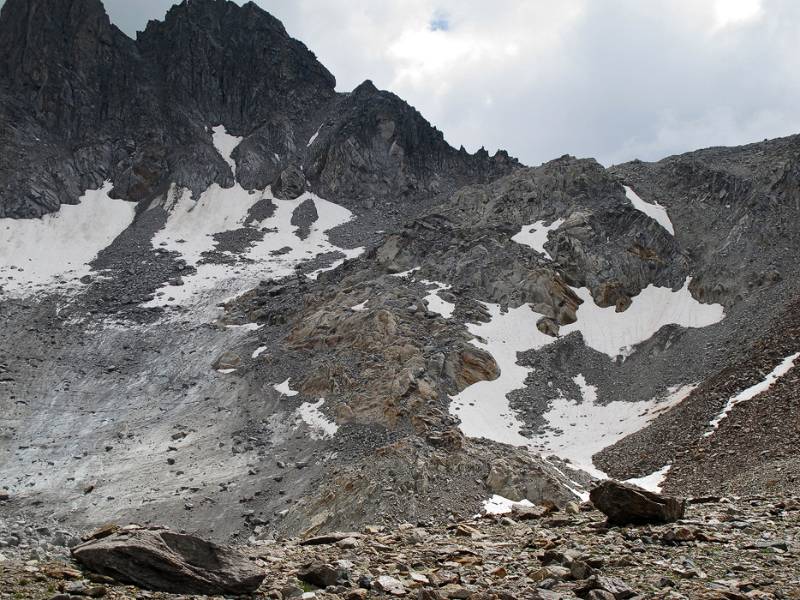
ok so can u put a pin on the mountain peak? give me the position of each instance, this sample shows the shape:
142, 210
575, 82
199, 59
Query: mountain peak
209, 12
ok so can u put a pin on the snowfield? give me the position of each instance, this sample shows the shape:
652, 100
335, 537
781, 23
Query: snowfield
616, 334
37, 253
225, 144
192, 225
483, 407
577, 428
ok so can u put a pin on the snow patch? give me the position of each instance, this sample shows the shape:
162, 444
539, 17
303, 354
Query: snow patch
226, 371
616, 334
536, 235
37, 253
284, 389
497, 505
577, 430
653, 482
225, 145
784, 367
483, 407
245, 327
314, 137
360, 307
317, 422
655, 211
405, 273
259, 351
435, 302
192, 225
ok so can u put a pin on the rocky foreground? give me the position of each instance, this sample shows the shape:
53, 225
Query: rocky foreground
723, 548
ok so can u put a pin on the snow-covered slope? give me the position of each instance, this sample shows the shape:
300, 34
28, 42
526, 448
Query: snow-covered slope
37, 254
577, 428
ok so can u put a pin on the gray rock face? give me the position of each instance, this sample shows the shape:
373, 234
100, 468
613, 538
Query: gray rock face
290, 184
303, 217
625, 504
162, 560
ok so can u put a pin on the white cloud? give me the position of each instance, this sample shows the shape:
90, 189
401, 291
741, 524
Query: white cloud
617, 79
731, 12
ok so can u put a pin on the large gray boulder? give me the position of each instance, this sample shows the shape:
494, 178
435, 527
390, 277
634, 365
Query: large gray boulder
626, 504
166, 561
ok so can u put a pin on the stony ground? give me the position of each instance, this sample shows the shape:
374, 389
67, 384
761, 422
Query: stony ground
725, 548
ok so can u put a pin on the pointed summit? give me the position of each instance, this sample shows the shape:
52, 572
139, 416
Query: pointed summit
234, 64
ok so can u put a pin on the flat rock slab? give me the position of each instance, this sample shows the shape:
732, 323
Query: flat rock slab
330, 538
626, 504
165, 561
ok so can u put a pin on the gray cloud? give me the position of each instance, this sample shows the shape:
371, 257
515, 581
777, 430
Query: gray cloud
613, 79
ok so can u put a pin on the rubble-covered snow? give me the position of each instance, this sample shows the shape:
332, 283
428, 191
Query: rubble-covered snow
536, 235
317, 422
779, 371
37, 253
655, 211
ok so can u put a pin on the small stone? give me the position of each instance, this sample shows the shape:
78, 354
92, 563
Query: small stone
390, 585
321, 574
580, 570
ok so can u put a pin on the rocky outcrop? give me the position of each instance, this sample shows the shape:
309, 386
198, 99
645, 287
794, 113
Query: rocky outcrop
626, 504
728, 203
162, 560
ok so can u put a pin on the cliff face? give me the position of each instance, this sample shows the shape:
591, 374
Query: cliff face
82, 103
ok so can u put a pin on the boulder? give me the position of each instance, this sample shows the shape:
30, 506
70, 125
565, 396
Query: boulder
329, 538
166, 561
626, 504
290, 184
322, 575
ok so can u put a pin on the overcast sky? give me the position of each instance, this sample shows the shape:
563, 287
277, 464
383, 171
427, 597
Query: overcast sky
612, 79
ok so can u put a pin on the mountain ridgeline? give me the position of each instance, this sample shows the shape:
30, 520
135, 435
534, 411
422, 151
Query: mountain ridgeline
81, 103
